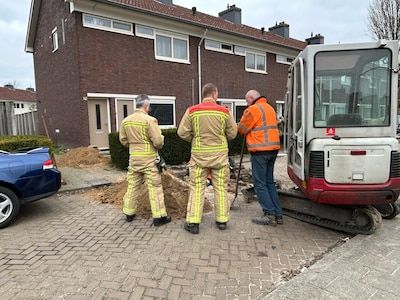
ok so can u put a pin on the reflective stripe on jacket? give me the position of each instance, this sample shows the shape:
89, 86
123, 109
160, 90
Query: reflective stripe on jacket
208, 126
260, 126
141, 132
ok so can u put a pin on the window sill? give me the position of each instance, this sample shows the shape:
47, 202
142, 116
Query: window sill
256, 71
170, 59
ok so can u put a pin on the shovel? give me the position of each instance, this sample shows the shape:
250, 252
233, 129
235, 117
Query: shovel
238, 175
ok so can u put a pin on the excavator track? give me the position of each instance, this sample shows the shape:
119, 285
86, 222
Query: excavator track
353, 220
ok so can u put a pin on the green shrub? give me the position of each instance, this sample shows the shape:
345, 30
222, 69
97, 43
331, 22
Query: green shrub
235, 146
119, 154
175, 150
12, 143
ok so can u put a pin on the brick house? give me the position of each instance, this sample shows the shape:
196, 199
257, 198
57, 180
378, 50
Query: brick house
93, 57
23, 100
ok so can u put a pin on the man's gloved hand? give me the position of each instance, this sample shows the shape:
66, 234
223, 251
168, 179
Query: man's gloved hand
161, 165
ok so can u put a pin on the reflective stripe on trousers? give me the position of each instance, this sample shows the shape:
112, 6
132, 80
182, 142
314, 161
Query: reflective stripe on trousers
154, 188
198, 177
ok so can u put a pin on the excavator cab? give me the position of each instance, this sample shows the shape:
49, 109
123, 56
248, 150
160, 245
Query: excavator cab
340, 129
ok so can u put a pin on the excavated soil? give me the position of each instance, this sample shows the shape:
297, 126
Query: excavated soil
81, 158
176, 195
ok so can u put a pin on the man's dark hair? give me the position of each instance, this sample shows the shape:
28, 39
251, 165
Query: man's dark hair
208, 90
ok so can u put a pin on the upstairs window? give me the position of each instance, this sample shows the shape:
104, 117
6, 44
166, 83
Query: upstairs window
54, 38
144, 31
218, 46
107, 24
256, 62
239, 50
280, 59
172, 48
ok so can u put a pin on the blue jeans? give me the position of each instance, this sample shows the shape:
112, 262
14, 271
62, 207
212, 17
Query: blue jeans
262, 167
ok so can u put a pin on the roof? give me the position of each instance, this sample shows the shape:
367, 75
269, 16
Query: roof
17, 95
181, 14
205, 20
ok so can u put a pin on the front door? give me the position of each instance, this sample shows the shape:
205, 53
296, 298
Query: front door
98, 122
124, 109
296, 117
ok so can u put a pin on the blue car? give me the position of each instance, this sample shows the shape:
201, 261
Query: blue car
25, 176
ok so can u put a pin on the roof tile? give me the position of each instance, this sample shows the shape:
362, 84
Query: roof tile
17, 95
206, 20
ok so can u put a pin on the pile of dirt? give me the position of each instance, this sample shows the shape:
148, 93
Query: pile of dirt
81, 158
176, 195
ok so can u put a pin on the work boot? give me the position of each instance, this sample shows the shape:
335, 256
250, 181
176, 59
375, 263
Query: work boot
130, 218
279, 220
193, 228
221, 225
266, 219
161, 221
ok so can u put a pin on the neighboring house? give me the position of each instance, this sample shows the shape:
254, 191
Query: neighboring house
93, 57
24, 101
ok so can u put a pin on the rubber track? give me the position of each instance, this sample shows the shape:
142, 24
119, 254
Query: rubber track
373, 214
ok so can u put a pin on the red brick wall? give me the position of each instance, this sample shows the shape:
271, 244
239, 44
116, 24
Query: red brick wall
97, 61
57, 77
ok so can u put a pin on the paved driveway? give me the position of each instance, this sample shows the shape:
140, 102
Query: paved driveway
68, 247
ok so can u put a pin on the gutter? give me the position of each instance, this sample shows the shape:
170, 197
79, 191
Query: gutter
199, 61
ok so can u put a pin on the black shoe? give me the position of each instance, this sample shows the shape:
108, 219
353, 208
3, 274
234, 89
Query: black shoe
161, 221
193, 228
221, 225
130, 218
279, 220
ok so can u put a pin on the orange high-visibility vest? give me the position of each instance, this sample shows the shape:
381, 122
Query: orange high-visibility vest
260, 126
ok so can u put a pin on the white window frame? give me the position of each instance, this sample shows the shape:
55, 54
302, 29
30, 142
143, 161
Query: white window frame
140, 34
255, 53
54, 39
165, 100
282, 59
234, 103
207, 46
105, 28
241, 53
171, 36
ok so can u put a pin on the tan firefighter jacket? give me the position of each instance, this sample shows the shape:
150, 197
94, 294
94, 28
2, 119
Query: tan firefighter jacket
208, 126
141, 133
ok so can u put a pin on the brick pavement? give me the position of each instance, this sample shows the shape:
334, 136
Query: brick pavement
68, 247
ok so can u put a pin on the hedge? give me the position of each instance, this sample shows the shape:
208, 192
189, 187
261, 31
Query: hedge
12, 143
175, 150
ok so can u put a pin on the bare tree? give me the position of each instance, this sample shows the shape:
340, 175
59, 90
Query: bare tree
384, 19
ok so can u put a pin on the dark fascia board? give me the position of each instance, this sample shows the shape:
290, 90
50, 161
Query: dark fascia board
191, 23
32, 25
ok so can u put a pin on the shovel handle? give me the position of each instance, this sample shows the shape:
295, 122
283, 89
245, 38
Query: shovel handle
240, 167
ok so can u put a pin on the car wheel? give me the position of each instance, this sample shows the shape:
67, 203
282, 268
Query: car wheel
9, 206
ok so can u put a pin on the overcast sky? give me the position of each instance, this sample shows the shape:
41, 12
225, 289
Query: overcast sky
340, 21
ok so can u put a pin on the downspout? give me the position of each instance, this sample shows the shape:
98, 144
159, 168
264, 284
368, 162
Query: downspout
199, 61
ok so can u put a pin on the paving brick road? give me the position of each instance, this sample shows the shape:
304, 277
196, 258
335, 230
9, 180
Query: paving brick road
68, 247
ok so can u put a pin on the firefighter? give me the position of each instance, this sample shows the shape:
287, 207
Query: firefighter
208, 126
140, 132
259, 124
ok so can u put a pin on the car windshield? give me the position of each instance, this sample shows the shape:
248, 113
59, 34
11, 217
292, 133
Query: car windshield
352, 88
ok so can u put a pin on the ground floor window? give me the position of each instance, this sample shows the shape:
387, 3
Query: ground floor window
235, 106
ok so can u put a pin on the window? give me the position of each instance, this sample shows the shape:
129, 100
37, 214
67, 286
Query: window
145, 31
107, 24
98, 117
218, 46
54, 38
163, 109
352, 88
280, 59
22, 105
240, 50
172, 48
235, 106
125, 108
255, 62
